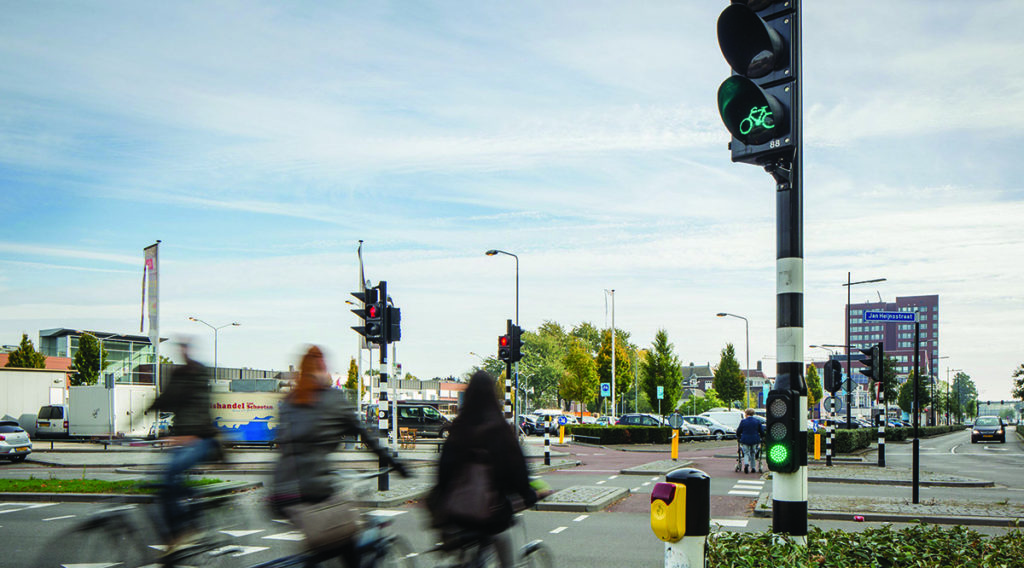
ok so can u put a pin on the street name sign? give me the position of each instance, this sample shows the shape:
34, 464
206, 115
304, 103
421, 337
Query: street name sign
902, 317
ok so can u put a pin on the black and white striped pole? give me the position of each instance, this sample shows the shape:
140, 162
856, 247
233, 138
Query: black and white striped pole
547, 440
830, 432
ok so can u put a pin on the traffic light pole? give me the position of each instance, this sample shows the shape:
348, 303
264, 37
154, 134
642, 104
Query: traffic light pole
916, 491
383, 483
508, 379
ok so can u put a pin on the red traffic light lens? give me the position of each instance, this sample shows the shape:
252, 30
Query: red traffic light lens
371, 311
502, 341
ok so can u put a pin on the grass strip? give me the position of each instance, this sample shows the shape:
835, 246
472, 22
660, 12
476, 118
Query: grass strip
128, 486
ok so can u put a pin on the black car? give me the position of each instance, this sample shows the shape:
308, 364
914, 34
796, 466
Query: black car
530, 425
988, 428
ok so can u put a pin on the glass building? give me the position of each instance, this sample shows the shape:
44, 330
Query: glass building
129, 357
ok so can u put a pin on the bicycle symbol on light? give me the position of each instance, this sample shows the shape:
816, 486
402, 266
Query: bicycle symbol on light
759, 116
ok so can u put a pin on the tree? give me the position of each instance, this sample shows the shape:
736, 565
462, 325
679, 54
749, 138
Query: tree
1018, 383
542, 365
891, 384
579, 381
906, 394
623, 363
352, 382
963, 395
589, 336
91, 355
660, 368
814, 390
698, 404
26, 356
729, 382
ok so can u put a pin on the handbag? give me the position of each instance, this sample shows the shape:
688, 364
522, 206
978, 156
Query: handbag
473, 498
331, 522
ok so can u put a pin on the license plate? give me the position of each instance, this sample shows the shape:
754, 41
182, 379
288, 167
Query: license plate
44, 423
21, 449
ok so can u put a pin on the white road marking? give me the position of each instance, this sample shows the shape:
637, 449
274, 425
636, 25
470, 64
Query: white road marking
601, 482
645, 484
59, 518
730, 522
988, 449
387, 512
636, 489
613, 477
558, 530
27, 507
748, 482
237, 534
242, 550
655, 478
745, 493
953, 449
290, 535
580, 518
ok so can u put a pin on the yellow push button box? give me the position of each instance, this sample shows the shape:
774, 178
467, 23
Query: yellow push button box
668, 511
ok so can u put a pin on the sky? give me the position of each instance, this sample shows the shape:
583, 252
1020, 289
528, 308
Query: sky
261, 141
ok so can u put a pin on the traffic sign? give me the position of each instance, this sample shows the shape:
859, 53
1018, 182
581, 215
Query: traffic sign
606, 389
675, 420
902, 317
562, 420
661, 393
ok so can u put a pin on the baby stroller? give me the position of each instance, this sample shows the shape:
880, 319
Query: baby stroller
757, 453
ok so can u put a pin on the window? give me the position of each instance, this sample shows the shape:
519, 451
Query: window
430, 413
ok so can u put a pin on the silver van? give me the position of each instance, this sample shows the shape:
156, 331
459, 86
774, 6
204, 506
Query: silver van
52, 421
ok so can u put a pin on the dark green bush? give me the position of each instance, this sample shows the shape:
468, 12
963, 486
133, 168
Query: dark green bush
917, 546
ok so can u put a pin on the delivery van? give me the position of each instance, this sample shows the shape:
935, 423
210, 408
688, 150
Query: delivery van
52, 421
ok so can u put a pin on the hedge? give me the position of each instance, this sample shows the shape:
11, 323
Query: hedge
859, 438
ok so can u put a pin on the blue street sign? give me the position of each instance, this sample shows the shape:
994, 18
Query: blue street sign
661, 393
606, 389
562, 420
902, 317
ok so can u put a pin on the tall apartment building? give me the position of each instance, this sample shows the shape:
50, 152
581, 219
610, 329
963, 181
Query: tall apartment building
897, 338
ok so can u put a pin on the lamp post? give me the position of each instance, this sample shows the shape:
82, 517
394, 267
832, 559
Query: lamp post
746, 372
849, 364
515, 384
215, 330
958, 409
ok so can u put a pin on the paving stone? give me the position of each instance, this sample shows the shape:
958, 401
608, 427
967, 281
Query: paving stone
660, 467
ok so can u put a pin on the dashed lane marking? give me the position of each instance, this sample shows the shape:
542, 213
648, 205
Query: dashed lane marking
237, 534
601, 482
645, 484
636, 489
387, 512
558, 530
59, 518
290, 535
613, 477
580, 518
28, 506
744, 493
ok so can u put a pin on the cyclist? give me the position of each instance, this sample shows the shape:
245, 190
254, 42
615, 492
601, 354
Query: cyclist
313, 420
193, 434
479, 434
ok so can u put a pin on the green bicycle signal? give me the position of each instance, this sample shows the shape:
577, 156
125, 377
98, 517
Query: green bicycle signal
758, 117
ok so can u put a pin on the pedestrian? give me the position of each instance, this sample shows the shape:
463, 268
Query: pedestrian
480, 435
193, 436
314, 421
749, 433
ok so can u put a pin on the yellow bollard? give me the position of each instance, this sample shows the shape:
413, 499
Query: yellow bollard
817, 446
675, 444
561, 434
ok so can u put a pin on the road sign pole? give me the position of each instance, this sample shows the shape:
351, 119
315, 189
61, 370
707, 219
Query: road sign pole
917, 413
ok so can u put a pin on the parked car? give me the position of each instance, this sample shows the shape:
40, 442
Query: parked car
715, 428
606, 420
530, 425
988, 428
15, 445
422, 417
730, 418
696, 430
162, 426
590, 419
52, 421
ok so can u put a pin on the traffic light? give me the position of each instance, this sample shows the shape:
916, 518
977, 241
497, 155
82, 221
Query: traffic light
759, 103
392, 324
784, 441
873, 361
369, 312
516, 340
504, 348
833, 379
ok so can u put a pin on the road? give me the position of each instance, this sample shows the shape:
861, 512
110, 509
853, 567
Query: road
618, 536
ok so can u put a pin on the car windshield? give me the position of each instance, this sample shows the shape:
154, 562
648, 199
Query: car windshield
987, 421
10, 429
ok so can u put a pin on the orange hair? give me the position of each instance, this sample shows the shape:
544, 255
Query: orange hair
307, 386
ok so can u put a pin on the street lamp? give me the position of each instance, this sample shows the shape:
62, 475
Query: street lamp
515, 384
746, 372
215, 329
849, 364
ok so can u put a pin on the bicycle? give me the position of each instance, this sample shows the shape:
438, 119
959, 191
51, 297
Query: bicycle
117, 537
474, 549
375, 547
758, 117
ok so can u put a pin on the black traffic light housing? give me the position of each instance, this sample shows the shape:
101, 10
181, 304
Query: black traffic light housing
516, 340
370, 310
785, 444
759, 104
833, 379
392, 324
872, 362
504, 348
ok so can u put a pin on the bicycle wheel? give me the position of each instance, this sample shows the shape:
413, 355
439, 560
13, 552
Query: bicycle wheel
106, 540
395, 552
535, 555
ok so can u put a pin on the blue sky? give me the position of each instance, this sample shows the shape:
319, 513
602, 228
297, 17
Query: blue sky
260, 141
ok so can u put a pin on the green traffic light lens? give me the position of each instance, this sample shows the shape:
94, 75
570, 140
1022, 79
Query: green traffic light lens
778, 453
751, 115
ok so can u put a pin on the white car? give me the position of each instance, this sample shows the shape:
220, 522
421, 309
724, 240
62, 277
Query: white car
15, 444
717, 429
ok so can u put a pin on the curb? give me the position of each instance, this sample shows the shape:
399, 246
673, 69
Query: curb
664, 471
763, 509
614, 495
221, 489
903, 482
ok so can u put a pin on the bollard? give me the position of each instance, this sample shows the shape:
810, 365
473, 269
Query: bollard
547, 441
817, 446
561, 434
681, 516
675, 445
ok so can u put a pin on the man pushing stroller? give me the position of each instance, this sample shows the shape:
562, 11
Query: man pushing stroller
749, 433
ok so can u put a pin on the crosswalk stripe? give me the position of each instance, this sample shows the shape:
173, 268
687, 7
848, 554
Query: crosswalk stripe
748, 482
59, 518
558, 530
746, 493
290, 535
580, 518
237, 534
387, 512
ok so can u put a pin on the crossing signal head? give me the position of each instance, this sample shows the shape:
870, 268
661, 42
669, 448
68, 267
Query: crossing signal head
516, 343
504, 348
782, 431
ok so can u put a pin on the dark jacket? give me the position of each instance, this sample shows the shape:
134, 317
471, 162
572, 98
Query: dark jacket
187, 395
306, 435
496, 441
750, 431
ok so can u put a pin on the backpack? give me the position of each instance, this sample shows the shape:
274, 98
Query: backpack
473, 498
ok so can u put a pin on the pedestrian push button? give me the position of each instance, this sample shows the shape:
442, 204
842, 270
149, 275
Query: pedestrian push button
668, 511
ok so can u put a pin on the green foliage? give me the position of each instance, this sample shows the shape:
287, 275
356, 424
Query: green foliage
814, 389
729, 381
33, 485
915, 546
889, 372
660, 367
26, 356
541, 367
352, 382
906, 395
589, 337
963, 396
623, 362
87, 361
698, 404
579, 382
1018, 383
